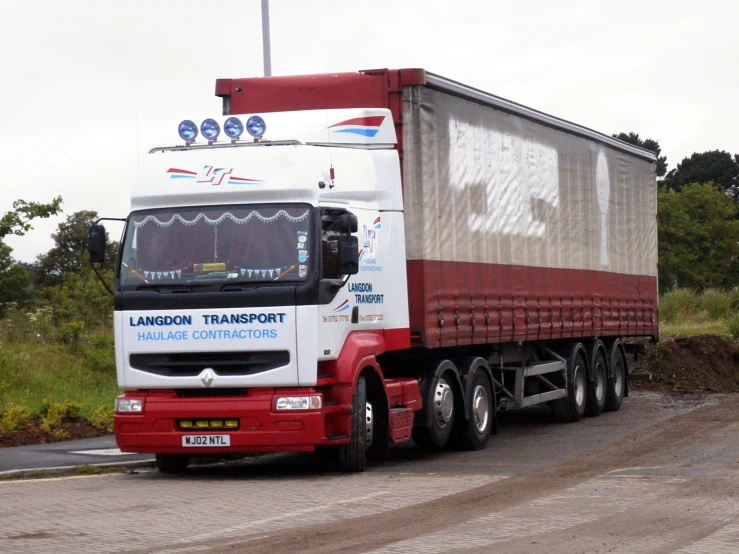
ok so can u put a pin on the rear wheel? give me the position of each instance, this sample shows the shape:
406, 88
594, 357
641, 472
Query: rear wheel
597, 387
172, 463
616, 385
353, 455
482, 411
440, 401
571, 408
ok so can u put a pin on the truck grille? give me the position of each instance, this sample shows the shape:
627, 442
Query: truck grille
191, 364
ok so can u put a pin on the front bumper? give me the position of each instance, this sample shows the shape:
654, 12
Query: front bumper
261, 427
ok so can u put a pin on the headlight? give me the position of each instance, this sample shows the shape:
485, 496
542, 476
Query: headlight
298, 403
256, 126
128, 405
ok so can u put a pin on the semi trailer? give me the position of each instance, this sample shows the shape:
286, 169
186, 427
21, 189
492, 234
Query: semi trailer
341, 262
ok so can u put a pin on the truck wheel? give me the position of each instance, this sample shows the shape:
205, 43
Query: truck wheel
616, 385
597, 387
440, 400
482, 409
571, 408
353, 455
172, 463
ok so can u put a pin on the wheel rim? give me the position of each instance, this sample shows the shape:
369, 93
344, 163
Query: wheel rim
369, 433
600, 386
579, 385
443, 403
618, 377
480, 408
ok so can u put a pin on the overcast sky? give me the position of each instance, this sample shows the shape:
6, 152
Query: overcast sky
88, 86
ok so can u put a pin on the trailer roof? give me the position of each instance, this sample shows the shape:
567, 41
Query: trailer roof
381, 88
458, 89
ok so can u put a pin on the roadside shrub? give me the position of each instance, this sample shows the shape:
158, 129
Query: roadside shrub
13, 418
716, 303
102, 417
678, 305
52, 413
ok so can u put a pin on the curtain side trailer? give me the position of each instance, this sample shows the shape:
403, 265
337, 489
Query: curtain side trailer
430, 253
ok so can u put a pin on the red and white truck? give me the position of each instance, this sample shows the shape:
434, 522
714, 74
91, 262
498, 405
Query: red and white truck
345, 261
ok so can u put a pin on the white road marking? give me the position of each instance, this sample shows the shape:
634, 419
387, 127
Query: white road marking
103, 452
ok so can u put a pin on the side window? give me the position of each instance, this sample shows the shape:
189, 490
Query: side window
330, 233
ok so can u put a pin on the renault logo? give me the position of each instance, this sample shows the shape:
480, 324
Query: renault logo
207, 376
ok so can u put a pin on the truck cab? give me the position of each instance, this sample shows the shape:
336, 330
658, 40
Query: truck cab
247, 263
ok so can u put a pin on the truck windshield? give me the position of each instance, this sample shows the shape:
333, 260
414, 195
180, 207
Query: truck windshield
213, 245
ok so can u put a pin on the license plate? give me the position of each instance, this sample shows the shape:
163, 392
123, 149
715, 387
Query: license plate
206, 440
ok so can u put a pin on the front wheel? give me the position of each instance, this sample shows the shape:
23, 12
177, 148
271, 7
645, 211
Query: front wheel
353, 455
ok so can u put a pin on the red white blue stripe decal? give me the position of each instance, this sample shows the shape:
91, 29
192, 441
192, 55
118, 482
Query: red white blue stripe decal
211, 175
363, 126
180, 173
342, 307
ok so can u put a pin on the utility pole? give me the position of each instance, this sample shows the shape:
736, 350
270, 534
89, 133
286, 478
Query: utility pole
265, 39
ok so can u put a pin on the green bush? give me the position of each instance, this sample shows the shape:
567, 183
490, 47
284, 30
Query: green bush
678, 305
54, 412
13, 418
102, 417
716, 303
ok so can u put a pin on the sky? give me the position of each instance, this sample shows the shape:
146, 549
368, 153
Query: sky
89, 86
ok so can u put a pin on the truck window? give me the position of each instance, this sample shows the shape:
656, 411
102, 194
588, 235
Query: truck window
253, 243
330, 233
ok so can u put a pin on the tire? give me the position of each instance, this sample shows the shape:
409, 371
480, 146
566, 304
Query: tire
353, 455
597, 387
571, 408
172, 463
616, 385
482, 412
440, 400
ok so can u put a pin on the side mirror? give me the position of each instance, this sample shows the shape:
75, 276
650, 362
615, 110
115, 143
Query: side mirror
348, 255
96, 244
348, 222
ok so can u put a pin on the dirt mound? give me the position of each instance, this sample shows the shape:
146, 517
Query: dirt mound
687, 364
32, 433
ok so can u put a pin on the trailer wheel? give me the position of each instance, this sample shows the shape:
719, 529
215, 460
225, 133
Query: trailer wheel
616, 385
172, 463
482, 409
597, 387
571, 408
440, 400
353, 455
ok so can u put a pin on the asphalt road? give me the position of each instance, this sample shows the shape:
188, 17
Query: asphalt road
101, 450
661, 475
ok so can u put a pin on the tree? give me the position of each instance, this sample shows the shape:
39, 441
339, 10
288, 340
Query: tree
715, 166
69, 255
15, 280
18, 221
698, 230
649, 144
